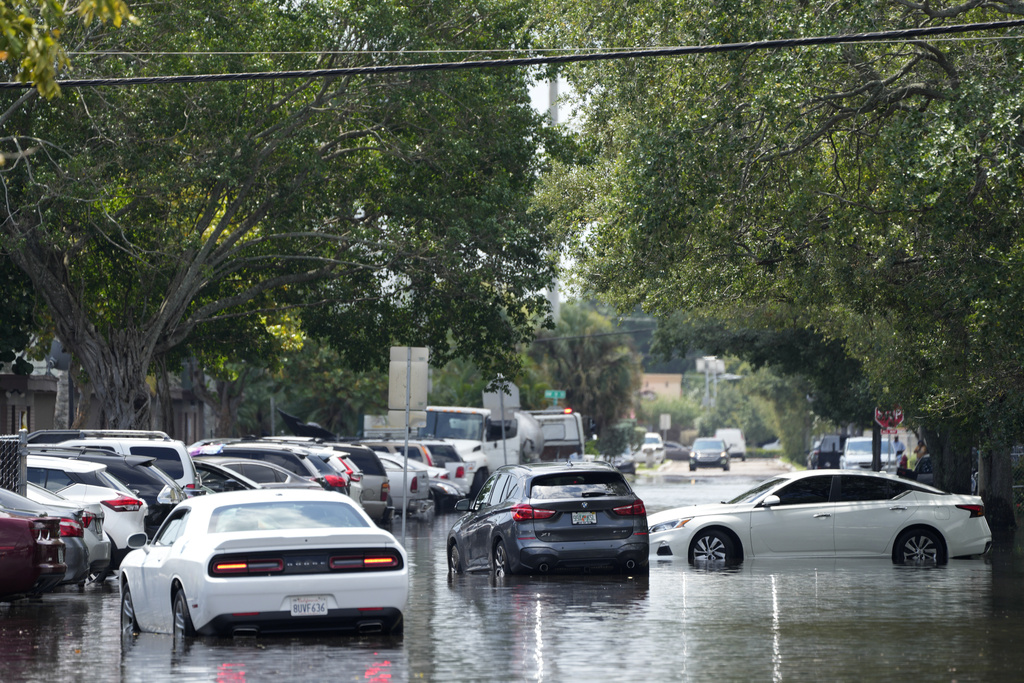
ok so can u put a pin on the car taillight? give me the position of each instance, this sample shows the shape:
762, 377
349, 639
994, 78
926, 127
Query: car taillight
355, 477
87, 519
369, 560
975, 510
189, 486
460, 472
335, 481
69, 527
123, 504
385, 489
245, 566
443, 476
636, 508
523, 512
415, 486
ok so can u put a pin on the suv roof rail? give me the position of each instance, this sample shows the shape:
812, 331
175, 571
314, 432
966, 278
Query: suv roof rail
58, 435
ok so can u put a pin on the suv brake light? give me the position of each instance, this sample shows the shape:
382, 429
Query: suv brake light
636, 508
523, 512
69, 527
385, 489
460, 472
335, 481
123, 504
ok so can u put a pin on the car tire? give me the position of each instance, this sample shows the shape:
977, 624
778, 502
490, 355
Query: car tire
713, 546
398, 628
499, 560
725, 468
919, 546
181, 616
454, 559
129, 623
692, 468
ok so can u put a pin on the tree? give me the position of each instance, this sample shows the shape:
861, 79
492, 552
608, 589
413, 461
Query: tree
872, 187
385, 209
30, 37
597, 369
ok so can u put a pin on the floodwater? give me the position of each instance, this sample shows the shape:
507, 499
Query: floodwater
765, 621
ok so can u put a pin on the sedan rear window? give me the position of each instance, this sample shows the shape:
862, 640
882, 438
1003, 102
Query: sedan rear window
273, 516
579, 485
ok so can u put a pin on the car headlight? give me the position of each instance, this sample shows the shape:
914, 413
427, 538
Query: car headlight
669, 525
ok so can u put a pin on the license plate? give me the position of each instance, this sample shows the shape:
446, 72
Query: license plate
584, 518
309, 606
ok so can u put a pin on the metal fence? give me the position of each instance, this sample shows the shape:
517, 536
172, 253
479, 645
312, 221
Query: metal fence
13, 451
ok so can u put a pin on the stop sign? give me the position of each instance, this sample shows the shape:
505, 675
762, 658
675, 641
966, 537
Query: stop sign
888, 419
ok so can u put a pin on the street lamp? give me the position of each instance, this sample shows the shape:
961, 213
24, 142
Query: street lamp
712, 367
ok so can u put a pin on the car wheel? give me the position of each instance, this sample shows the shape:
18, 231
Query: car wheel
499, 560
692, 468
712, 546
919, 546
454, 559
182, 619
128, 622
725, 468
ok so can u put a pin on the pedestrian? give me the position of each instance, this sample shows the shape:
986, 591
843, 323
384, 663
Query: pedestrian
920, 450
901, 453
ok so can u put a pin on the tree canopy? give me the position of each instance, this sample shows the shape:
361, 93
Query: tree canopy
874, 188
163, 221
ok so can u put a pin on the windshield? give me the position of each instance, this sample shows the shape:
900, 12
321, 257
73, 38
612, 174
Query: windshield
284, 515
652, 439
443, 425
753, 494
708, 445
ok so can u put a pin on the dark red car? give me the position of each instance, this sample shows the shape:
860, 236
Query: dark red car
31, 555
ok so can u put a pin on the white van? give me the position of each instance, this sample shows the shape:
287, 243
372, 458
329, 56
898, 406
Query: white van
734, 441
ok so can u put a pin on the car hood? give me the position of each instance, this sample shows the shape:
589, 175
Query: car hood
696, 511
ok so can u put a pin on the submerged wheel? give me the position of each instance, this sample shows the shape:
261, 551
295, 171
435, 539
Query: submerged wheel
713, 546
128, 622
499, 560
182, 619
919, 546
454, 559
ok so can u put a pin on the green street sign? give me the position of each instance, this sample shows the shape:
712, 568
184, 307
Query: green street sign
554, 393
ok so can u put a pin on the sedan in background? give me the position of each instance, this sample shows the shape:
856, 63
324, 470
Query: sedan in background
709, 452
822, 513
265, 561
227, 474
90, 516
71, 518
549, 516
31, 555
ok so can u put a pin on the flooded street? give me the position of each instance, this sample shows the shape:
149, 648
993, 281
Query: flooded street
766, 621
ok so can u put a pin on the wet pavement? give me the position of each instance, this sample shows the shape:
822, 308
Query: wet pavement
767, 621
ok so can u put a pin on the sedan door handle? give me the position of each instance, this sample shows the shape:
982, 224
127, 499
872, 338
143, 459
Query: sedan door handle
823, 514
898, 507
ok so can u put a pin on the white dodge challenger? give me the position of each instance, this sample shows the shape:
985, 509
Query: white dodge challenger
265, 561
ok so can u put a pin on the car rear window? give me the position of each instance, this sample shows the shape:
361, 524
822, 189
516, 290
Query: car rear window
368, 461
272, 516
578, 485
444, 454
169, 458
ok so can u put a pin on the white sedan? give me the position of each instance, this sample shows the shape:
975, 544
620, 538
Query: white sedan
265, 561
826, 514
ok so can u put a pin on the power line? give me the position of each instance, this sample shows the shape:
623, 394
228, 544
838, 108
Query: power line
886, 36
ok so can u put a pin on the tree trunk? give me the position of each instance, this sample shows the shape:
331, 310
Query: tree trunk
995, 482
951, 458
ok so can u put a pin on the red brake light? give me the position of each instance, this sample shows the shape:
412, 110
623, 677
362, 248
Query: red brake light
415, 486
523, 512
975, 510
444, 476
189, 486
385, 489
243, 566
87, 519
69, 527
123, 504
460, 472
636, 508
335, 481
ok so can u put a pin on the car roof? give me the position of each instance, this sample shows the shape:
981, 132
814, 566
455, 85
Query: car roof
536, 468
67, 464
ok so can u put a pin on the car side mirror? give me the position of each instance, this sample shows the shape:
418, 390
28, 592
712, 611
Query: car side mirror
462, 505
165, 497
770, 501
137, 540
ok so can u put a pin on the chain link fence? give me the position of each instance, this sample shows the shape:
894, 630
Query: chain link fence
13, 451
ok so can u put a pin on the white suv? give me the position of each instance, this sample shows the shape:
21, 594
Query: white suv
171, 455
